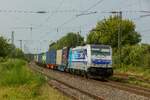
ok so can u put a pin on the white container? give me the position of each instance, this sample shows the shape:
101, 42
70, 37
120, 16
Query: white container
59, 57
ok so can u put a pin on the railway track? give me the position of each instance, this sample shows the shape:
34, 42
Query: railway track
130, 88
126, 87
75, 93
127, 76
80, 94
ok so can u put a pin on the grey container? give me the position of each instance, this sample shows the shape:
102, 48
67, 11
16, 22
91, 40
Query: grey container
39, 58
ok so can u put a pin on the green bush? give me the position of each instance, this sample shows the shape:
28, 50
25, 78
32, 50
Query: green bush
9, 50
15, 72
137, 55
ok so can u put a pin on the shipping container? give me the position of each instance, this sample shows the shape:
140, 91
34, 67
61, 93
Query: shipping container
65, 54
43, 58
59, 57
39, 58
62, 58
51, 59
36, 57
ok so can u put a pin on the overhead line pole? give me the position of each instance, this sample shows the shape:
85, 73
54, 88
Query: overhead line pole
119, 34
31, 29
21, 44
119, 14
119, 37
12, 37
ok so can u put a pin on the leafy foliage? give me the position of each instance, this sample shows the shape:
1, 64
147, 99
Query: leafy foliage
19, 82
15, 72
137, 55
9, 50
4, 47
17, 53
106, 32
70, 40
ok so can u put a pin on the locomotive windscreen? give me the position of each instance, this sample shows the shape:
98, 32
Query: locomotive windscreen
101, 54
100, 51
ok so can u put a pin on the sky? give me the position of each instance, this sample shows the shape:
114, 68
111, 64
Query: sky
61, 19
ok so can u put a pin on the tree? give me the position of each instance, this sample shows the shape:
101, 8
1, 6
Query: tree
135, 55
9, 50
3, 47
106, 32
70, 40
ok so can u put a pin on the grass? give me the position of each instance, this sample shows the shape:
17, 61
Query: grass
18, 82
15, 72
27, 92
136, 75
143, 72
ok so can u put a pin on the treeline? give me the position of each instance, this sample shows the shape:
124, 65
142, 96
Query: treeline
70, 40
8, 50
107, 32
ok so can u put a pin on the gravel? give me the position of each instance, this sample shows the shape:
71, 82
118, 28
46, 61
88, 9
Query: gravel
69, 91
96, 88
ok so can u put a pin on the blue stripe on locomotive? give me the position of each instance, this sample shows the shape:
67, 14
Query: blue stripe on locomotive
100, 61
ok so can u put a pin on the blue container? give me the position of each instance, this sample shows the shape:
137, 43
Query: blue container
51, 57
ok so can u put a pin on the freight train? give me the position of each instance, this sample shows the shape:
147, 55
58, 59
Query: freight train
88, 60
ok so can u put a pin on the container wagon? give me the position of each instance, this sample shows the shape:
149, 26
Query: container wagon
40, 58
59, 60
44, 59
51, 59
62, 59
36, 58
